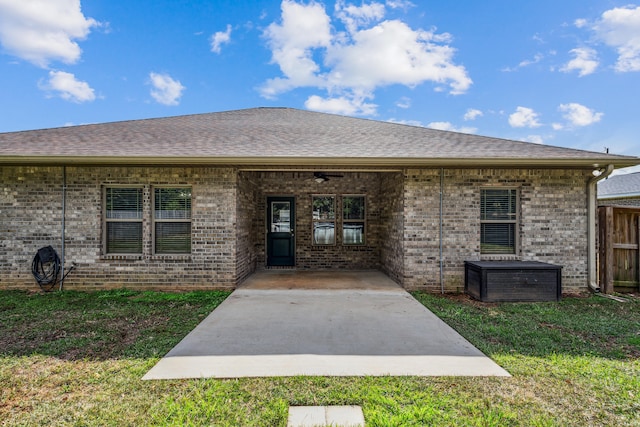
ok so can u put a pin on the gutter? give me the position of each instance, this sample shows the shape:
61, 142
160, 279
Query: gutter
64, 214
618, 196
441, 226
591, 227
263, 162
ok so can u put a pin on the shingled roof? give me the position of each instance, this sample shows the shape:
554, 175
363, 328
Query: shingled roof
619, 186
281, 137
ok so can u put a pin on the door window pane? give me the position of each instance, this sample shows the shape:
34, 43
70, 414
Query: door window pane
280, 217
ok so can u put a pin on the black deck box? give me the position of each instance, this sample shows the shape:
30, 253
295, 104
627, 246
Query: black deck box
497, 281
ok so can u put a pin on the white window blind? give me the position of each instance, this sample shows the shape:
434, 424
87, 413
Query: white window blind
123, 220
172, 220
498, 218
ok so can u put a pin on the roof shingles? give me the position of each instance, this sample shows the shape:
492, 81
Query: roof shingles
273, 135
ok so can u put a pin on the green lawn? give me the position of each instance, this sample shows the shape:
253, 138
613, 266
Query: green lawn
76, 358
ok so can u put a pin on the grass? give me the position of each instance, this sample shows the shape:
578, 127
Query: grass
76, 359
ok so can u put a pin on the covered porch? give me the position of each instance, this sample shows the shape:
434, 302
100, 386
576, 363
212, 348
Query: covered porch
320, 220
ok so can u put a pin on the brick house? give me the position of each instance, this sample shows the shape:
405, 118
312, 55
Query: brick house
203, 201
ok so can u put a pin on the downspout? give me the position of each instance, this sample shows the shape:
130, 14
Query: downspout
591, 231
441, 258
64, 202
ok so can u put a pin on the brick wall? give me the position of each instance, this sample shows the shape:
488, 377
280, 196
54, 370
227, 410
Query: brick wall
623, 201
246, 232
392, 225
553, 223
302, 186
229, 223
31, 218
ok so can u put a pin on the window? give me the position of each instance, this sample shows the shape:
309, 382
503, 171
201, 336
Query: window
172, 220
353, 220
324, 220
498, 218
123, 220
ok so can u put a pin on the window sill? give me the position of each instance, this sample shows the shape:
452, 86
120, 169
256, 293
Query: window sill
500, 257
140, 257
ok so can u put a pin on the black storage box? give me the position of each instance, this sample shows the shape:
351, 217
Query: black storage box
496, 281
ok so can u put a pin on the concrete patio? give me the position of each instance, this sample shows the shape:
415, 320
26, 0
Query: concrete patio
354, 323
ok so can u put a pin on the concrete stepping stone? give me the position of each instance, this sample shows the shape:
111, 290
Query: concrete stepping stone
320, 416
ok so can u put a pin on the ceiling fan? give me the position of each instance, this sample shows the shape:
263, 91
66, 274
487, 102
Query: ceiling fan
321, 177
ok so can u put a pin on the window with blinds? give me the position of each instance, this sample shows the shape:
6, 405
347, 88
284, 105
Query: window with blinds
172, 220
498, 220
123, 220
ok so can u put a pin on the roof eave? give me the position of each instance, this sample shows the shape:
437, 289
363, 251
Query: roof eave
591, 163
619, 196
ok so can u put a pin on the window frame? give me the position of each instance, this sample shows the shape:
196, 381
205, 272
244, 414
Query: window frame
314, 221
155, 220
106, 221
514, 221
362, 221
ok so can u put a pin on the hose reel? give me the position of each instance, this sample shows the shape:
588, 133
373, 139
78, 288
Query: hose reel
46, 268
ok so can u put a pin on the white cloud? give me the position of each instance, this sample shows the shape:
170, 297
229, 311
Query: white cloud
585, 61
406, 122
220, 38
355, 17
580, 23
352, 65
619, 28
524, 117
450, 127
340, 105
579, 115
166, 90
536, 139
392, 53
303, 28
403, 102
399, 4
525, 63
68, 87
41, 31
472, 114
536, 58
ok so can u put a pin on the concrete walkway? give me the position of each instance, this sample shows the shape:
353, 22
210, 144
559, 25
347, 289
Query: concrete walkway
329, 324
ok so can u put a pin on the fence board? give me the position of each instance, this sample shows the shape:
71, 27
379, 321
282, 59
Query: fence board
619, 253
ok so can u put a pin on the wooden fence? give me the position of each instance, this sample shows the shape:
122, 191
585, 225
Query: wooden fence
619, 251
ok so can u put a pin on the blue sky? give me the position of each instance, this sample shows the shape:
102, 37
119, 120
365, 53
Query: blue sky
563, 73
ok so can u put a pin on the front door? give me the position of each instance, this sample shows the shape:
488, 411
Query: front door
281, 248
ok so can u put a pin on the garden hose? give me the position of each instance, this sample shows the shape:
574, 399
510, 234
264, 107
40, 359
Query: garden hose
46, 268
